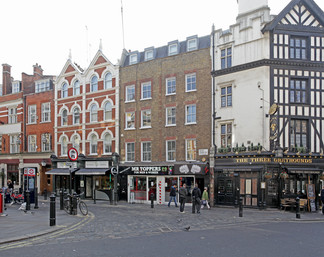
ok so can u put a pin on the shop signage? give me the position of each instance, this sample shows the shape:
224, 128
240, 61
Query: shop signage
30, 172
188, 169
151, 170
203, 152
65, 165
273, 160
96, 164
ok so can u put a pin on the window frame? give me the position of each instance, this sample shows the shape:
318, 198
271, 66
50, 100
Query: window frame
295, 93
190, 82
172, 116
301, 135
76, 88
107, 143
42, 86
194, 151
144, 90
293, 48
32, 143
93, 115
78, 116
14, 145
46, 142
172, 151
149, 55
12, 115
32, 114
146, 121
171, 51
64, 118
227, 135
94, 84
171, 83
127, 121
46, 112
133, 59
189, 114
226, 58
15, 87
130, 153
226, 98
108, 81
146, 155
64, 146
108, 114
93, 144
192, 48
64, 90
128, 94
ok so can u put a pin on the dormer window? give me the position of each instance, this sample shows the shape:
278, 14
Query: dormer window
132, 59
192, 44
42, 85
148, 55
15, 87
173, 49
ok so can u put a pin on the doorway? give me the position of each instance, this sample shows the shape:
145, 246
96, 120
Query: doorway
225, 191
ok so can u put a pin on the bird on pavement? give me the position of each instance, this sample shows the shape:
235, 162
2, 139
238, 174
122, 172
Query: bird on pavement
187, 228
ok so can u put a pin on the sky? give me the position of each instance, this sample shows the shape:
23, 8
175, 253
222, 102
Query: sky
45, 31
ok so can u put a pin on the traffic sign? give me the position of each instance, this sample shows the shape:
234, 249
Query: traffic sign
73, 154
114, 171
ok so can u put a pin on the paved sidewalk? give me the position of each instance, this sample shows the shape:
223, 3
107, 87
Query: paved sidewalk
20, 225
134, 219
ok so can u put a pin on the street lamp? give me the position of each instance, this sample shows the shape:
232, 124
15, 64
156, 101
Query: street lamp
115, 170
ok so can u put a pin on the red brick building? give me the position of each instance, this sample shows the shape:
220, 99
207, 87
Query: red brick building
26, 127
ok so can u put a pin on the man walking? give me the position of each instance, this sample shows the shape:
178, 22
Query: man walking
322, 199
182, 197
173, 194
196, 195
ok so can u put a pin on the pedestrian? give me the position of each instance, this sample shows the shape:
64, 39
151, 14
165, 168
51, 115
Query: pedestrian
322, 199
173, 194
182, 197
196, 196
204, 199
10, 185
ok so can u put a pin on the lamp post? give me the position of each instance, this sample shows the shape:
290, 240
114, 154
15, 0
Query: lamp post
115, 170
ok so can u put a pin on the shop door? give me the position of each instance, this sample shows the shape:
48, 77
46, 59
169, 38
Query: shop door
249, 191
151, 188
225, 191
88, 187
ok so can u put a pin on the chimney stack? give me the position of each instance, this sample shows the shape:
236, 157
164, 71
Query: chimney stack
6, 79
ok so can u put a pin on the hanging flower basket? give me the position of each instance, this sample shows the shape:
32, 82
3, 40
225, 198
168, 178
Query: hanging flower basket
267, 174
283, 175
322, 176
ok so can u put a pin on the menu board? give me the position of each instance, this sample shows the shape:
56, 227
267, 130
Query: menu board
311, 197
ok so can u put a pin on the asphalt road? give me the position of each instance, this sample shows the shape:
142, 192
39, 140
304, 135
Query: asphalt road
269, 239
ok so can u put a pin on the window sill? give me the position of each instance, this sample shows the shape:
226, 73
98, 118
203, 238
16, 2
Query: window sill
144, 99
188, 91
45, 122
131, 101
146, 127
192, 123
171, 94
171, 125
130, 128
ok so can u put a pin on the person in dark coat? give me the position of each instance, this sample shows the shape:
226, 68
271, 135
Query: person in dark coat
196, 196
182, 197
322, 199
173, 194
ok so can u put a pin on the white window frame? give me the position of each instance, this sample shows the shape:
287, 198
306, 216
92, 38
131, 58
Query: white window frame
64, 145
226, 57
76, 88
93, 115
130, 119
149, 55
189, 76
93, 144
42, 86
145, 86
15, 143
132, 59
108, 111
194, 151
94, 86
107, 143
172, 84
168, 117
143, 114
76, 142
130, 156
173, 49
191, 114
32, 115
146, 156
108, 80
32, 143
172, 151
46, 112
46, 142
192, 47
225, 102
76, 116
128, 95
64, 119
64, 90
12, 115
15, 87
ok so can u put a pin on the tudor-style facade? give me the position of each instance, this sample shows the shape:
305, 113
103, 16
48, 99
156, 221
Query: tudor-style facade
269, 91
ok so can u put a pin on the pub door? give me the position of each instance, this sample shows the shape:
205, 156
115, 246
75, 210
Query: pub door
249, 191
225, 191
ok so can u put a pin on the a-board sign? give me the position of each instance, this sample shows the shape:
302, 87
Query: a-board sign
311, 196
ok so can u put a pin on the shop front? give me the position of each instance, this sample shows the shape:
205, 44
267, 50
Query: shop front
265, 180
144, 181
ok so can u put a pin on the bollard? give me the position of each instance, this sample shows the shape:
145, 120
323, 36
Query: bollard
94, 196
71, 204
75, 205
45, 194
152, 200
52, 210
193, 204
241, 207
27, 200
61, 199
36, 198
297, 208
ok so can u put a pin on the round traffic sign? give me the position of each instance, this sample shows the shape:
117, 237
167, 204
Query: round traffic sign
73, 154
114, 171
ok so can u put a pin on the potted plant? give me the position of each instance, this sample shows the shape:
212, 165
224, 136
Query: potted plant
284, 175
267, 174
322, 176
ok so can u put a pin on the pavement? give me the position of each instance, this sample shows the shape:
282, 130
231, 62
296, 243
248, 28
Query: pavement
127, 220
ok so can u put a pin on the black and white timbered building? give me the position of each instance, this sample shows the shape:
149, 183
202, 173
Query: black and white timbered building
268, 77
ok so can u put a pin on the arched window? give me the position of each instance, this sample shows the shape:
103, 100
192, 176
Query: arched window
76, 142
64, 144
93, 144
108, 80
108, 111
64, 118
76, 115
107, 143
93, 113
94, 84
64, 91
76, 88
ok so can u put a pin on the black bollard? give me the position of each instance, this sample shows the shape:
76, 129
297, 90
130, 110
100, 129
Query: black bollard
71, 204
52, 210
36, 198
94, 196
152, 200
75, 205
27, 200
193, 204
61, 199
45, 194
297, 208
241, 207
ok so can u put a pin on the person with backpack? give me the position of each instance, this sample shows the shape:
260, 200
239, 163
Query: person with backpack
196, 196
173, 194
182, 197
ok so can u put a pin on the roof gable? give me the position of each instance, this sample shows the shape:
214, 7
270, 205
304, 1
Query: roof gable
301, 13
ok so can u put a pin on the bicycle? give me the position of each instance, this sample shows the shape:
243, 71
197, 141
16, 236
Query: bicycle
82, 206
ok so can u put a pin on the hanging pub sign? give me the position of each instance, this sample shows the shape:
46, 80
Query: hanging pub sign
30, 172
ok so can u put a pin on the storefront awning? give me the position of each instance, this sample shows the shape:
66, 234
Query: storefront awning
59, 172
94, 172
304, 170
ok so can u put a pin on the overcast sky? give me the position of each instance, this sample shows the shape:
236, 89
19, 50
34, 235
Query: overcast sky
43, 31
